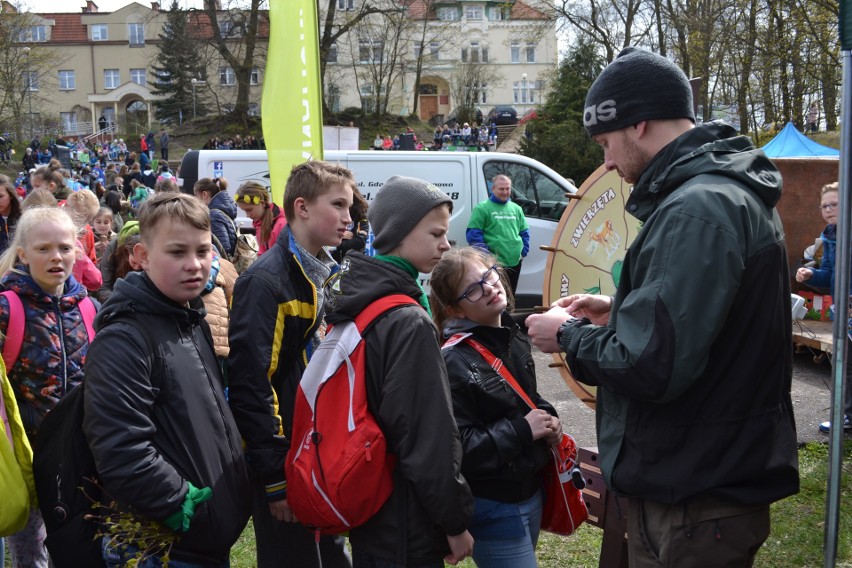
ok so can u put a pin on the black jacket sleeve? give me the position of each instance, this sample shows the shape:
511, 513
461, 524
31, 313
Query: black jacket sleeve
256, 337
415, 414
119, 402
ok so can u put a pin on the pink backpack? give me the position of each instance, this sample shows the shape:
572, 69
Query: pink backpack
15, 328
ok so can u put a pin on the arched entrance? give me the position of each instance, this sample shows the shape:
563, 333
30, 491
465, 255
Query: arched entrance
137, 117
428, 101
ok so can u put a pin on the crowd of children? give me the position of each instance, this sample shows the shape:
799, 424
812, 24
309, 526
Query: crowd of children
238, 346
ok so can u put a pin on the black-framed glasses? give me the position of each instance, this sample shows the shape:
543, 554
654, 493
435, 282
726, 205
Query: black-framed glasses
828, 206
476, 290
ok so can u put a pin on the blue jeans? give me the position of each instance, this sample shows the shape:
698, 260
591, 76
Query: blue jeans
117, 557
505, 534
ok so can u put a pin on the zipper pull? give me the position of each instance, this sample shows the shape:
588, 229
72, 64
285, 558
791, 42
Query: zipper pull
369, 454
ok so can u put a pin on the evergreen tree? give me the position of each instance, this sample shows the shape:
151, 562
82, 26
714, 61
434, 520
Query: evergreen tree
556, 136
177, 63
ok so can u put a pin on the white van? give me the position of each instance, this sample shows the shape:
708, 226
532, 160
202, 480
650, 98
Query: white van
464, 176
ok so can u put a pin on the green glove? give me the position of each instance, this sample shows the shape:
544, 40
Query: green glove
179, 521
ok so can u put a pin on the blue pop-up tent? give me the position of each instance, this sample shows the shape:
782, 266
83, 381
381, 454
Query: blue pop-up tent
790, 143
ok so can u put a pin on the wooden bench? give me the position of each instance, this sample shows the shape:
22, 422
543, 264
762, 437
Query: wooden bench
606, 511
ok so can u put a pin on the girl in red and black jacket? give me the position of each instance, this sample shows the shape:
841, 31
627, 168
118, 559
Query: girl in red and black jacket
503, 440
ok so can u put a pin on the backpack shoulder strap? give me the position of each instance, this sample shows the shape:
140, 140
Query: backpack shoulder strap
14, 329
88, 311
379, 307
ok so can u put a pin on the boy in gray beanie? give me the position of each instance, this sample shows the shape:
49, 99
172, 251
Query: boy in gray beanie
399, 205
695, 424
407, 385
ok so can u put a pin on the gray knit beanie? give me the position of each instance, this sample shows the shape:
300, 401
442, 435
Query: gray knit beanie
638, 85
397, 208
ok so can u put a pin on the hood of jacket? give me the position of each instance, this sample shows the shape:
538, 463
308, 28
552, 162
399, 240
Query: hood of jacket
711, 148
23, 284
223, 202
360, 280
136, 294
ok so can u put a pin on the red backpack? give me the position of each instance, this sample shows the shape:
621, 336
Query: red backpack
338, 470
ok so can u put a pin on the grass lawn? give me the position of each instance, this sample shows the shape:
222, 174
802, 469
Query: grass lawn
796, 540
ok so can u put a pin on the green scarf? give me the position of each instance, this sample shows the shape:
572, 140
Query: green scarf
407, 267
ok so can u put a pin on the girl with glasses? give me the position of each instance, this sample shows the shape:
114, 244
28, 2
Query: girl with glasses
505, 443
823, 278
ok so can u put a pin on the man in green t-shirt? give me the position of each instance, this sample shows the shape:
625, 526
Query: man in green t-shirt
499, 225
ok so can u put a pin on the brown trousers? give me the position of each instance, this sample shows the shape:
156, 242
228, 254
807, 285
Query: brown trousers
704, 533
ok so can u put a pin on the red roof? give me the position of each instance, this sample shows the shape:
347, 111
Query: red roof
199, 23
69, 28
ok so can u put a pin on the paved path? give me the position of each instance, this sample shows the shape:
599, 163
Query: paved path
811, 399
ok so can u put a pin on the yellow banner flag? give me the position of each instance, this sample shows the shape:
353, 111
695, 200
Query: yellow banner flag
292, 97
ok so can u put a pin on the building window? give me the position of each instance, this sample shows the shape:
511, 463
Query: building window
530, 53
483, 93
524, 92
253, 109
227, 77
475, 54
434, 50
69, 122
99, 32
30, 80
515, 51
32, 34
448, 13
345, 4
138, 76
66, 81
228, 28
112, 78
333, 98
332, 53
162, 77
136, 34
370, 51
496, 13
254, 78
473, 12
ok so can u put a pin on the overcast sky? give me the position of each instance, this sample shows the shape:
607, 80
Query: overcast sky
103, 5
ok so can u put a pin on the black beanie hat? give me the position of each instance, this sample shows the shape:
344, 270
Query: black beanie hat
638, 85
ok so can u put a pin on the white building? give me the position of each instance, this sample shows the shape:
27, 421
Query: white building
513, 43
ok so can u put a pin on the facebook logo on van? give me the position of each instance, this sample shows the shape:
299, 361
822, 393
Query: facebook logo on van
218, 169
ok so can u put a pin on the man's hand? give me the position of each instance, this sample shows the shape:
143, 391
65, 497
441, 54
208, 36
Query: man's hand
461, 546
804, 274
281, 511
542, 328
595, 308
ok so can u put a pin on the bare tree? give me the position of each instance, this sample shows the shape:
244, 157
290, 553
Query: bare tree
337, 24
23, 64
234, 35
612, 24
467, 81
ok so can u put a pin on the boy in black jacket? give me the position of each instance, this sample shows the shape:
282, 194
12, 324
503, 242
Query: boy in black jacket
162, 435
276, 313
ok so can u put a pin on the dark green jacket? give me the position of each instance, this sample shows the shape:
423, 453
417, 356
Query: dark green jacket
694, 368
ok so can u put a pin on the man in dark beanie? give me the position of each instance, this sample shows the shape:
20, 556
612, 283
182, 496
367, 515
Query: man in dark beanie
407, 386
692, 357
